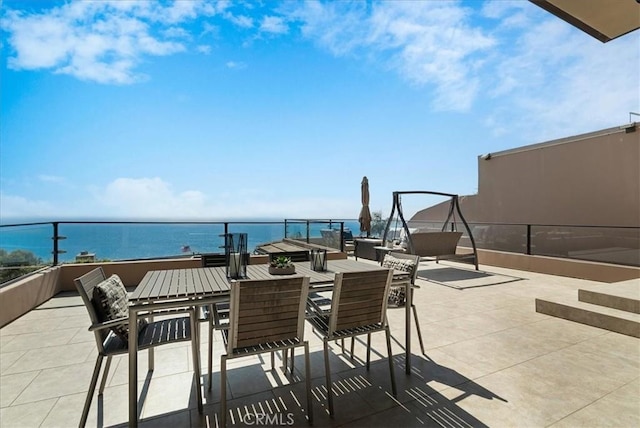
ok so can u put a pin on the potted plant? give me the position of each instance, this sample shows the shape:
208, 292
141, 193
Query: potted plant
281, 265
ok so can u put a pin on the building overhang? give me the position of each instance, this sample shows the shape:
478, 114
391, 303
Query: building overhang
604, 20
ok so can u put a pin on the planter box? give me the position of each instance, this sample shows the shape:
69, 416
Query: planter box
282, 271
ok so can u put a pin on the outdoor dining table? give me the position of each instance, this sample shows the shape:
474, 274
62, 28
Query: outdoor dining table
179, 288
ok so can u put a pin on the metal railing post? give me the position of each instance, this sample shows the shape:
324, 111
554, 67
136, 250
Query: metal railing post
56, 237
55, 243
528, 239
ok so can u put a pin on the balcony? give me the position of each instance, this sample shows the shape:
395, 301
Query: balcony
490, 360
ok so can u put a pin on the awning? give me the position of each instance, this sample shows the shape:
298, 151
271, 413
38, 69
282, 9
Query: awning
603, 19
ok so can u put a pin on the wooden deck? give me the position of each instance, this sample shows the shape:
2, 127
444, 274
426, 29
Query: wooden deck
293, 247
280, 247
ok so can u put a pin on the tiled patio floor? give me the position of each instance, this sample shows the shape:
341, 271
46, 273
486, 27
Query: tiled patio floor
490, 360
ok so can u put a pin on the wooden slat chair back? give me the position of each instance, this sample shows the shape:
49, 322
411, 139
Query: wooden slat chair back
168, 330
359, 300
266, 316
358, 307
264, 311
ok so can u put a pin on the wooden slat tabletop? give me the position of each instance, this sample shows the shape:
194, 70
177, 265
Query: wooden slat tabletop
199, 282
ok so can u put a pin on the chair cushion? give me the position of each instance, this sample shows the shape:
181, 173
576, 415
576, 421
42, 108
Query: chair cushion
112, 302
397, 295
404, 265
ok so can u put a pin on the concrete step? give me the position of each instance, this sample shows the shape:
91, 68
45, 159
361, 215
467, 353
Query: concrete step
572, 309
623, 296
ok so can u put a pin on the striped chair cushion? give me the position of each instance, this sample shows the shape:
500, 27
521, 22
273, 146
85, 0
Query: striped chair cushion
397, 295
112, 302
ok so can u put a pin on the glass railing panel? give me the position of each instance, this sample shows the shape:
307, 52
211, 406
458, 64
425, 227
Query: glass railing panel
24, 249
498, 237
323, 232
132, 241
257, 233
601, 244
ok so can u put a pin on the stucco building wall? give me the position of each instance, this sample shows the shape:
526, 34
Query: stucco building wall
590, 179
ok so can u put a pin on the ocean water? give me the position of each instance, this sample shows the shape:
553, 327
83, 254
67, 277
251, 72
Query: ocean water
123, 241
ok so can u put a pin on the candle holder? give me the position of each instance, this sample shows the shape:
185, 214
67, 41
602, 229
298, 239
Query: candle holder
236, 256
318, 260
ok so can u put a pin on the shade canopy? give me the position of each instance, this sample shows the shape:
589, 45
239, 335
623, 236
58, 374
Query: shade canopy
365, 214
604, 20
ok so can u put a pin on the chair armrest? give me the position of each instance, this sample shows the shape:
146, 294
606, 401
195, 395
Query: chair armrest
125, 320
108, 324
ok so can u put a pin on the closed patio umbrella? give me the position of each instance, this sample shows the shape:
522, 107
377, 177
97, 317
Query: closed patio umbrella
365, 214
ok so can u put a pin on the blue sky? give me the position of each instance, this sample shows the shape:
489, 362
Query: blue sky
246, 109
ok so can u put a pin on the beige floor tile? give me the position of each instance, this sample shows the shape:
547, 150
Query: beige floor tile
613, 344
167, 361
12, 385
52, 356
8, 358
171, 420
56, 382
537, 393
5, 340
24, 325
500, 350
620, 408
573, 368
167, 394
440, 371
442, 333
83, 335
40, 340
108, 410
67, 412
553, 328
26, 415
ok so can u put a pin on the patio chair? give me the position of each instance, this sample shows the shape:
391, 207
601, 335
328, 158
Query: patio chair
217, 314
265, 316
406, 263
107, 302
358, 306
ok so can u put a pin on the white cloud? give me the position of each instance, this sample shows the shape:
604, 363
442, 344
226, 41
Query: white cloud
204, 49
19, 207
100, 41
236, 65
156, 198
149, 197
525, 66
241, 21
554, 75
274, 25
427, 43
51, 178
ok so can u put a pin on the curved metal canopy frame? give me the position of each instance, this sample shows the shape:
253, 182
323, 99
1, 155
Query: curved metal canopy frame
454, 206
